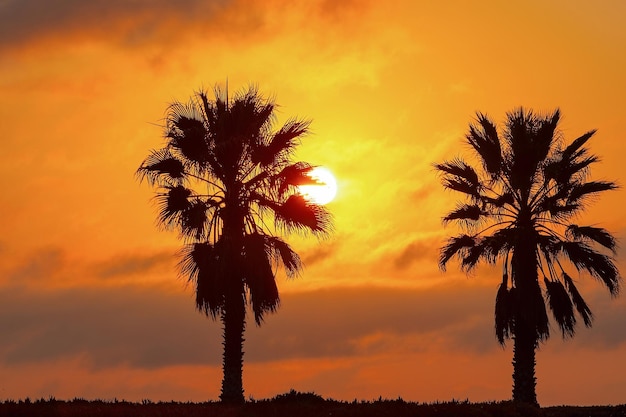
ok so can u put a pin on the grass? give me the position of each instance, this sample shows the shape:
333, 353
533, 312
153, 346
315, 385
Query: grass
296, 404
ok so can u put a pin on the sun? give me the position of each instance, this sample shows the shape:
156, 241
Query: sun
325, 191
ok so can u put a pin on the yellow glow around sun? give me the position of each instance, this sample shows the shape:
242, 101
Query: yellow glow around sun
325, 191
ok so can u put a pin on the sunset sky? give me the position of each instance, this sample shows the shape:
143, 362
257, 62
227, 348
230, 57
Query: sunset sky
91, 304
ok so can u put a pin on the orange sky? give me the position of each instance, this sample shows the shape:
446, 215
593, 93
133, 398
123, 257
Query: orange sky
90, 303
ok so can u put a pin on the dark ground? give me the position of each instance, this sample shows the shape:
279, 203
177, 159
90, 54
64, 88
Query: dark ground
296, 404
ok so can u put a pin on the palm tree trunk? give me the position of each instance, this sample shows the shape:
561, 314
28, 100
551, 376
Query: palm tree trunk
524, 381
529, 313
233, 319
234, 313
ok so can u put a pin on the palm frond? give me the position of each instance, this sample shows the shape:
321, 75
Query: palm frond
519, 126
293, 175
504, 312
502, 199
211, 108
585, 189
471, 257
543, 138
193, 220
297, 214
466, 212
485, 141
555, 204
563, 211
203, 265
282, 143
567, 171
456, 246
498, 244
461, 186
259, 276
458, 169
530, 138
574, 149
596, 234
598, 265
535, 310
173, 203
250, 115
580, 304
160, 163
561, 306
187, 132
286, 256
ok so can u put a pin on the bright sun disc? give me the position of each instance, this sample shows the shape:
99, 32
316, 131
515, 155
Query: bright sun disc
325, 191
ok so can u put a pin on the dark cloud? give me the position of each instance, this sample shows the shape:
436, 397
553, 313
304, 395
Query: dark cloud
161, 22
342, 11
30, 20
44, 263
320, 253
149, 328
50, 265
609, 329
135, 264
416, 251
110, 326
339, 322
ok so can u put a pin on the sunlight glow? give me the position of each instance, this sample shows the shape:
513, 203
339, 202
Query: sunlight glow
323, 193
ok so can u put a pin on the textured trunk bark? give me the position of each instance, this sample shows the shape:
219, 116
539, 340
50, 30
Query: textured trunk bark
234, 323
524, 381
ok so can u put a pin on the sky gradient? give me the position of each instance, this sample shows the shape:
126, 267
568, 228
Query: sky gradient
91, 304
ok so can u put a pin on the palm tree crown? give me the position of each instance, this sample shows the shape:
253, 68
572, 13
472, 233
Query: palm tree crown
223, 175
519, 207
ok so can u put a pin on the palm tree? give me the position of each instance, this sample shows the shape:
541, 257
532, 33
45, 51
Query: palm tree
222, 176
519, 203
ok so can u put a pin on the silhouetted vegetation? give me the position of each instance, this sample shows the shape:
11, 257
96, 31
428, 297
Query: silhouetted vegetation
520, 201
297, 404
226, 182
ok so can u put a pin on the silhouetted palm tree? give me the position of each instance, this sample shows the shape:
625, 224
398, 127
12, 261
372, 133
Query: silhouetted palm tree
519, 204
223, 173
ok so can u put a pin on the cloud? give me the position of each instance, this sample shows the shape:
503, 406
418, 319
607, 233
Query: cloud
144, 21
131, 22
44, 263
360, 321
109, 326
149, 328
54, 267
320, 253
608, 331
342, 10
134, 264
416, 251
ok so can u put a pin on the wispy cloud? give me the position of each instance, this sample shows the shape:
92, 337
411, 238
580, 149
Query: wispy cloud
417, 250
320, 253
125, 265
42, 264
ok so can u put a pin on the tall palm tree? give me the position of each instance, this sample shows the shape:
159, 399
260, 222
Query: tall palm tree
520, 201
223, 175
